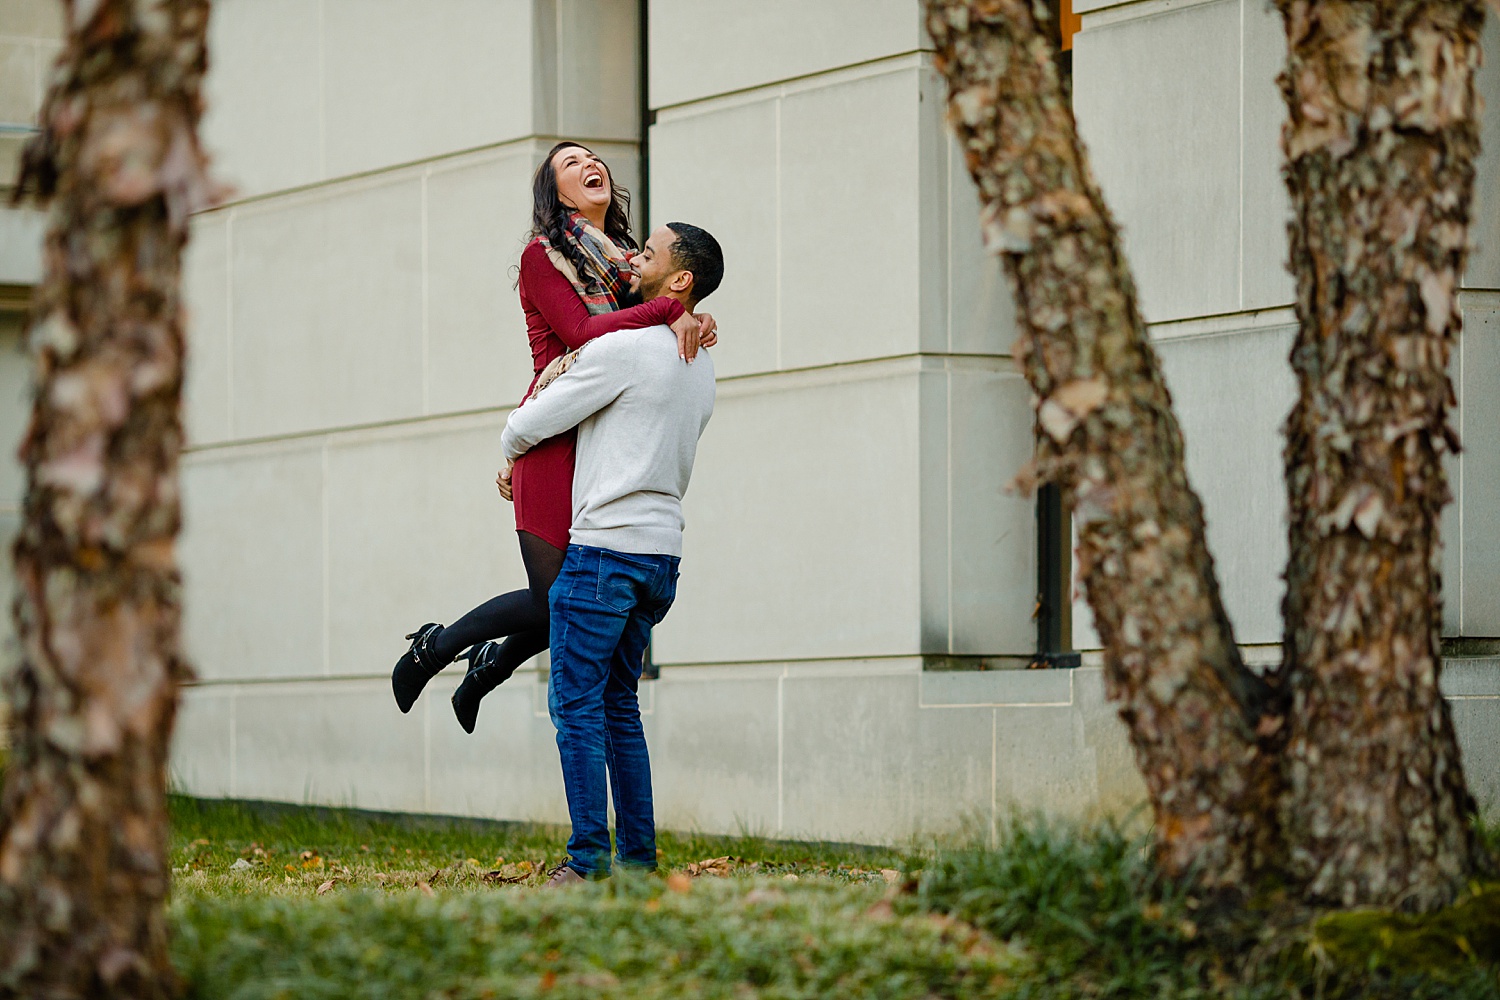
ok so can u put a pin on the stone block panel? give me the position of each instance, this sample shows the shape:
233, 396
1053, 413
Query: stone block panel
1232, 394
264, 122
769, 41
330, 743
1484, 230
303, 92
849, 215
863, 763
692, 159
1472, 529
202, 759
802, 535
597, 69
991, 537
1267, 208
20, 74
861, 152
406, 80
327, 308
15, 407
205, 283
252, 561
32, 19
22, 231
1158, 101
715, 749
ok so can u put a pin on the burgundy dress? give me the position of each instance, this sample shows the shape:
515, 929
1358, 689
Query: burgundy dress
557, 322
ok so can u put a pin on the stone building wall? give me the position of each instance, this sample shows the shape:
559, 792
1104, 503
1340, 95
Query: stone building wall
852, 557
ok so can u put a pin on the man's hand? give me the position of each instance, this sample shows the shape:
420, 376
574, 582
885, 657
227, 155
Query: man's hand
707, 337
503, 480
689, 332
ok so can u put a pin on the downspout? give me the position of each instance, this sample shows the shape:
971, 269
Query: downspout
649, 669
1054, 528
646, 116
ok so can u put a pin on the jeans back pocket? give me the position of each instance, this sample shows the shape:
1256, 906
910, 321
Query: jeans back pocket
621, 581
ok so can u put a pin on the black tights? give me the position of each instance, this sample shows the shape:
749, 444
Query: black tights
520, 617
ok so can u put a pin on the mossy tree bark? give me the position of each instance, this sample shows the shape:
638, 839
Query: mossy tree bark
1108, 437
83, 823
1380, 144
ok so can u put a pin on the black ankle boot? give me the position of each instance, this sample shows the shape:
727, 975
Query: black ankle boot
417, 666
484, 675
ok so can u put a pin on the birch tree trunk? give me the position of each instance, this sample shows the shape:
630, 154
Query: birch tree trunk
1108, 437
83, 824
1380, 148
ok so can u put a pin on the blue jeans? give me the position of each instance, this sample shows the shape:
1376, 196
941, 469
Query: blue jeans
604, 604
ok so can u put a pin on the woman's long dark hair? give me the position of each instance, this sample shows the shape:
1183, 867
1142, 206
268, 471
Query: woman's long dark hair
549, 216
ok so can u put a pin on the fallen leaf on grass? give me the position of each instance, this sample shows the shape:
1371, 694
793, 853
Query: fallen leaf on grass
240, 865
505, 877
426, 889
678, 882
325, 887
510, 874
891, 875
713, 866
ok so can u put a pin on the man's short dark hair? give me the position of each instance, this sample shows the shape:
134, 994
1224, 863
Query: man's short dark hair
698, 252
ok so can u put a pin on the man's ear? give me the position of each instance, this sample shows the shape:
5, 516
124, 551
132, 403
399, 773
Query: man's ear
681, 281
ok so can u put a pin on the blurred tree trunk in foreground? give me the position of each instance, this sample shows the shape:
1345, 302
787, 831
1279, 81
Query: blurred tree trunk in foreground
1380, 144
1358, 773
83, 822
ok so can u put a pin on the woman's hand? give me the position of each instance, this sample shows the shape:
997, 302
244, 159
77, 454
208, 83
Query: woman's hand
503, 480
689, 331
707, 336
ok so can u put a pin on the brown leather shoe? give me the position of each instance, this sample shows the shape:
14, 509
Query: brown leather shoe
562, 877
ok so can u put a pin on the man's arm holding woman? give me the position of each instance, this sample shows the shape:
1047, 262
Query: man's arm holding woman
555, 298
596, 379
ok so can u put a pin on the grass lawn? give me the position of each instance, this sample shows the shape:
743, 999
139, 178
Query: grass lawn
312, 903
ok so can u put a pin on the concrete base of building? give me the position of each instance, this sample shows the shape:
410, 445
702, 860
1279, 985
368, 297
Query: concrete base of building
869, 751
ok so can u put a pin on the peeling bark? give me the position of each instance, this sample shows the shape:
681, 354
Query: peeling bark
1380, 148
83, 823
1108, 437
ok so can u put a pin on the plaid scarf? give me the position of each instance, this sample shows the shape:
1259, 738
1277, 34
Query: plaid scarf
607, 280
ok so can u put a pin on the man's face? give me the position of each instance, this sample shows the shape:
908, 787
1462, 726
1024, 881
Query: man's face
658, 272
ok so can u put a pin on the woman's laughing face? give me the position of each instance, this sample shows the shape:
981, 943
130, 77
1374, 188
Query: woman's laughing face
583, 181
